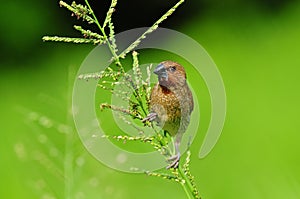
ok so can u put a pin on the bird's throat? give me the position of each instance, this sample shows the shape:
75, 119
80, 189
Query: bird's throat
165, 90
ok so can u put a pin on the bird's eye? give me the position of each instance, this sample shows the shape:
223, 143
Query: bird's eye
172, 69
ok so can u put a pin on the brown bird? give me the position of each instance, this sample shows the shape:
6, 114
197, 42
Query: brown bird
171, 103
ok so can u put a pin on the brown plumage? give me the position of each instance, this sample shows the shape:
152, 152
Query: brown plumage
171, 103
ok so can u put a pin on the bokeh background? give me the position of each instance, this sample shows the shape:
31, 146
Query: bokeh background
256, 47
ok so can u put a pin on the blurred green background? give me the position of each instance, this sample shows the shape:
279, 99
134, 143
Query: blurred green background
256, 47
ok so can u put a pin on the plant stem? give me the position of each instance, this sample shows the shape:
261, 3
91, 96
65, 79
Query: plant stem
188, 194
116, 57
150, 30
187, 184
139, 99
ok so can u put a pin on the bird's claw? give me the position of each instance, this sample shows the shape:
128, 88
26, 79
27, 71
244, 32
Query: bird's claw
150, 117
174, 161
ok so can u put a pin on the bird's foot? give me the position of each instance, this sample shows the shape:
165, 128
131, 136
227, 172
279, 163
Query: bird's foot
174, 161
150, 117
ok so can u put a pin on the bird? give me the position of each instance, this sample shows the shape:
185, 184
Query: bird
171, 104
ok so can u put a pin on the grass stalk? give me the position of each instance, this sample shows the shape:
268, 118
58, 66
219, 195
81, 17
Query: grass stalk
114, 54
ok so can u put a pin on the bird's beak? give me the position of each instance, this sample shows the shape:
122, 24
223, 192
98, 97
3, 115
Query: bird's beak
161, 72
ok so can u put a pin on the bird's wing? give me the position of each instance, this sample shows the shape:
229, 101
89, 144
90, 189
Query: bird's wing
191, 102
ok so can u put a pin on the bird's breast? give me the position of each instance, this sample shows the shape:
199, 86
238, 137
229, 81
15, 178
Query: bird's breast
170, 106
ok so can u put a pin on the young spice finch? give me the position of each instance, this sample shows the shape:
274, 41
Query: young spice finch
171, 103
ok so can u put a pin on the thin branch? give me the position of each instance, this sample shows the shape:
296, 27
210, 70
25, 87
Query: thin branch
129, 138
119, 109
79, 11
89, 34
111, 48
150, 30
109, 13
72, 40
165, 176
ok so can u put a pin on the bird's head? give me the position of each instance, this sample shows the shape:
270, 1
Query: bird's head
170, 74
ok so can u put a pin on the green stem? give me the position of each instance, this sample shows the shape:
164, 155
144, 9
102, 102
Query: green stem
150, 30
116, 57
186, 191
137, 95
188, 184
139, 99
